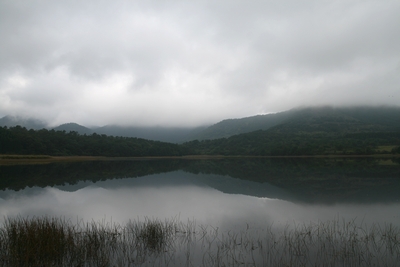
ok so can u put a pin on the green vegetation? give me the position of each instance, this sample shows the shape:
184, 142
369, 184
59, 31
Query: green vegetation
47, 241
309, 131
396, 150
73, 127
19, 140
271, 143
318, 119
57, 242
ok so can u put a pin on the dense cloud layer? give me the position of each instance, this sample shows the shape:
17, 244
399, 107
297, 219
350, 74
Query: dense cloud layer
193, 62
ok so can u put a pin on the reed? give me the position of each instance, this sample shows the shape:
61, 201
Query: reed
46, 241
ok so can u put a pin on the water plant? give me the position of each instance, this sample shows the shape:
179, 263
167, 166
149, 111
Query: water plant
47, 241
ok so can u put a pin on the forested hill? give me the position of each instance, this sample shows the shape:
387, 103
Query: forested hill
229, 127
164, 134
315, 131
322, 119
269, 143
308, 131
73, 127
19, 140
341, 121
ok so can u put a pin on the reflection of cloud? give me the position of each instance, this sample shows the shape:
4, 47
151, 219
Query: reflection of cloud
202, 204
147, 63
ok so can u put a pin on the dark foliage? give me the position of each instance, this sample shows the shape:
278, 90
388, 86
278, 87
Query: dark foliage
313, 119
267, 143
309, 131
19, 140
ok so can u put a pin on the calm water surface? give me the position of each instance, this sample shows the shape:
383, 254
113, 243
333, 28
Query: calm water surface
221, 193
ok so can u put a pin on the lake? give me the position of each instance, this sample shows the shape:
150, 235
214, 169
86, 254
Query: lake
241, 195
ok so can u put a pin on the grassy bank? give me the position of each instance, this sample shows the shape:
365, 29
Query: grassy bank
57, 242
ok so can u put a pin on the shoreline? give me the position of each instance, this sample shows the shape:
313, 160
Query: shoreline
45, 159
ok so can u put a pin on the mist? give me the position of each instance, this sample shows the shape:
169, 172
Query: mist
179, 64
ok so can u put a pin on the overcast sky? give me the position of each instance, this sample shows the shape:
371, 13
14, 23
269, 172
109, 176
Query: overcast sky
188, 63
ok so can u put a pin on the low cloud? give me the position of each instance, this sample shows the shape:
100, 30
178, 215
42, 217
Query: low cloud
193, 63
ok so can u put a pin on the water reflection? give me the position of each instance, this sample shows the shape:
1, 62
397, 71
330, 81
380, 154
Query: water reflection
307, 180
186, 195
230, 200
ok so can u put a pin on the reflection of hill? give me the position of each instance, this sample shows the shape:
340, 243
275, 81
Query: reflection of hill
309, 180
17, 177
316, 180
221, 183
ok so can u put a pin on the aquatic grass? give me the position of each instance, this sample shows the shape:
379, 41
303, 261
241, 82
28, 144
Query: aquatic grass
28, 242
46, 241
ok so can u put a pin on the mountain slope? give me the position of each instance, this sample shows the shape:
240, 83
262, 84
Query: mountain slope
318, 119
73, 127
11, 121
20, 141
163, 134
315, 131
341, 120
229, 127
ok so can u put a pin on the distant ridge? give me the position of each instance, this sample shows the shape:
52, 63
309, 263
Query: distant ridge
163, 134
229, 127
299, 120
345, 119
12, 121
73, 127
312, 131
341, 120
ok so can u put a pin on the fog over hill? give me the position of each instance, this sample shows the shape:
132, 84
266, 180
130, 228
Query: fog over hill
73, 127
165, 134
296, 132
354, 119
192, 63
29, 123
308, 119
309, 131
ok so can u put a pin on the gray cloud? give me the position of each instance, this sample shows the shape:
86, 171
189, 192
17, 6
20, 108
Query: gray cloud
191, 63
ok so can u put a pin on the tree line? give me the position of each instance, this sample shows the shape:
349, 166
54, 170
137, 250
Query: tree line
267, 143
19, 140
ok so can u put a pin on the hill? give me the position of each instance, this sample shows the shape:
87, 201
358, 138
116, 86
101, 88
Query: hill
163, 134
229, 127
73, 127
315, 131
21, 141
305, 131
318, 119
29, 123
341, 120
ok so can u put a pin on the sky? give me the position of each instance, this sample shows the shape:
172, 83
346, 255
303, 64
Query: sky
191, 63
